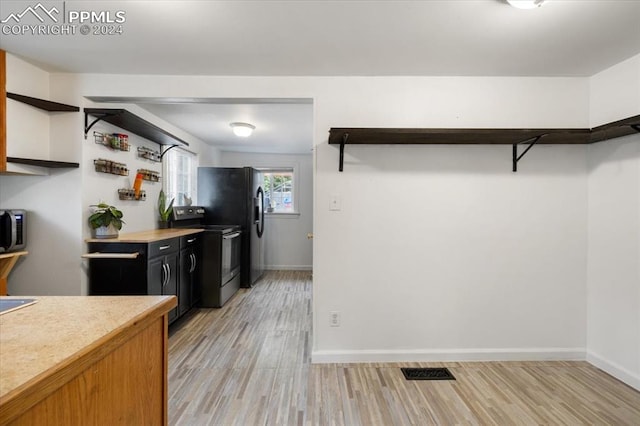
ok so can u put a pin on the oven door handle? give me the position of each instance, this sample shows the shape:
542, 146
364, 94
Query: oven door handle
230, 236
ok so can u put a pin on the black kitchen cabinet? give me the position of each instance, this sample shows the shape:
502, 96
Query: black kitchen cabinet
189, 291
114, 276
160, 268
162, 271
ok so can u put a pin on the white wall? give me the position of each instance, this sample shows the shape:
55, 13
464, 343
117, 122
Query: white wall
287, 246
98, 187
495, 267
54, 233
461, 258
28, 134
441, 252
58, 203
615, 92
613, 286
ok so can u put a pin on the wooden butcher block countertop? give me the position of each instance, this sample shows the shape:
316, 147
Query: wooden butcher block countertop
147, 236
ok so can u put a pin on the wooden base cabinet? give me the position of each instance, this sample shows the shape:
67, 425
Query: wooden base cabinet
120, 378
124, 388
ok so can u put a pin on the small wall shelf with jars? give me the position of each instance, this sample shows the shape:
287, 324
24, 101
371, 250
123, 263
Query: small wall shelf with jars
107, 166
149, 175
149, 154
130, 194
116, 141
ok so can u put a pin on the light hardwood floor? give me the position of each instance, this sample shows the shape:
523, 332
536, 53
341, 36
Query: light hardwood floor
249, 364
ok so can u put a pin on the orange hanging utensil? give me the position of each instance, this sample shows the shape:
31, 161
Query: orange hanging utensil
137, 184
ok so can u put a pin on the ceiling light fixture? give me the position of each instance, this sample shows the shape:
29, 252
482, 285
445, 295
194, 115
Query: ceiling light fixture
526, 4
242, 130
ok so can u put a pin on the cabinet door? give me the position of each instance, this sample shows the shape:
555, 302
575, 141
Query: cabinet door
156, 274
187, 264
117, 276
196, 286
171, 281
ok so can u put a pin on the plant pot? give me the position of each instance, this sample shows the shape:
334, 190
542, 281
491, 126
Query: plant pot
105, 232
163, 224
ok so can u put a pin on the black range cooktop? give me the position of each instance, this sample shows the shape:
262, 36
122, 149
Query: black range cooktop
193, 216
225, 229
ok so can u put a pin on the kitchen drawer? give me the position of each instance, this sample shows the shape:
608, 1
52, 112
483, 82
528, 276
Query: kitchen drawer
163, 247
189, 240
108, 247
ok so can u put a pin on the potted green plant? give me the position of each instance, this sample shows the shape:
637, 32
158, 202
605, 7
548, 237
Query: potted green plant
164, 211
106, 221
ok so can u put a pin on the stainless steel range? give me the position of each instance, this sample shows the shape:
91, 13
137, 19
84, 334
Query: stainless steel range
221, 255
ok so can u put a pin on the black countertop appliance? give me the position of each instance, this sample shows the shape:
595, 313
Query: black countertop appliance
13, 230
235, 196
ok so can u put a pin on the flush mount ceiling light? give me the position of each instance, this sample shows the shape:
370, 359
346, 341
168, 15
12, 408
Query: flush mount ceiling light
242, 130
526, 4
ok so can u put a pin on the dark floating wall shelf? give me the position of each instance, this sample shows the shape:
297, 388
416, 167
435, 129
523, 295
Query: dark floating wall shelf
43, 163
42, 104
125, 120
50, 107
514, 137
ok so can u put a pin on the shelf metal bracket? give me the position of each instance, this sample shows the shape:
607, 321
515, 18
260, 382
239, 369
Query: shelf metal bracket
344, 141
87, 126
531, 142
166, 150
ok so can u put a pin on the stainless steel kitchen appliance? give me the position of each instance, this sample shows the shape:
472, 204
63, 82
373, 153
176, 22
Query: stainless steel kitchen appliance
13, 230
221, 255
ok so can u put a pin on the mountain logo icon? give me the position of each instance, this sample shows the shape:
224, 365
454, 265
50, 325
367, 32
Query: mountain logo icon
38, 11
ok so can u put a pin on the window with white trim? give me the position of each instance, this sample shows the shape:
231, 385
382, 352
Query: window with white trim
180, 175
279, 190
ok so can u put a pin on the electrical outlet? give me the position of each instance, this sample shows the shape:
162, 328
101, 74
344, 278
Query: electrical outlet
334, 319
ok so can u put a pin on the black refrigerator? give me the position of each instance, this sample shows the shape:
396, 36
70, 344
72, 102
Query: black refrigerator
234, 196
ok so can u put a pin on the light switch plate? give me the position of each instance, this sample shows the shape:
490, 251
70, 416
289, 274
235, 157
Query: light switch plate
335, 204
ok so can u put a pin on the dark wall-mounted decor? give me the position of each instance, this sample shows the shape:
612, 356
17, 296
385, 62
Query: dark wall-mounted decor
515, 137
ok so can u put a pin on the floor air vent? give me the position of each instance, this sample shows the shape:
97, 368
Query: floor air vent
427, 374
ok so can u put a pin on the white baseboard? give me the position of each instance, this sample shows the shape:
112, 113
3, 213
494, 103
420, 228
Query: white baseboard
288, 267
449, 355
614, 369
